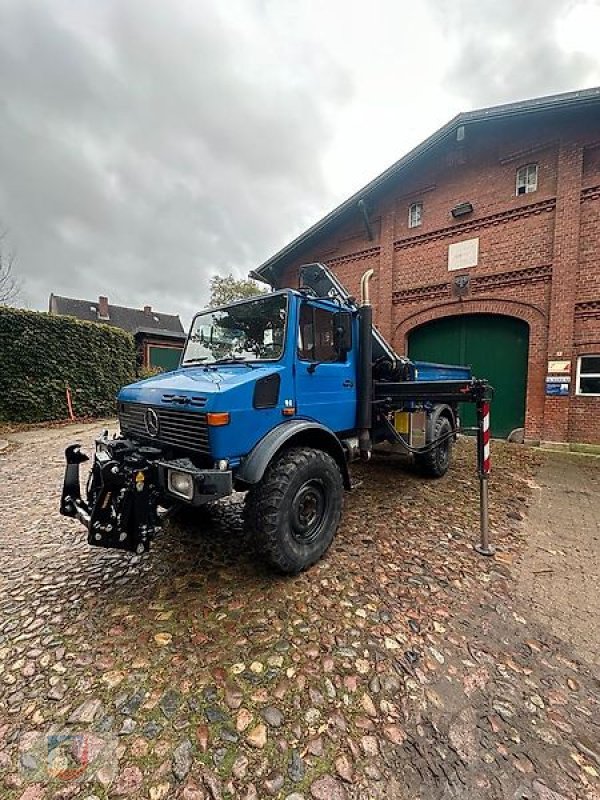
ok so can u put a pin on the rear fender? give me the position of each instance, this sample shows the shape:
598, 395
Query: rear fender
296, 433
440, 410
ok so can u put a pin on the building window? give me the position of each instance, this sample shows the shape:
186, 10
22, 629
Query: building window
527, 179
415, 215
588, 375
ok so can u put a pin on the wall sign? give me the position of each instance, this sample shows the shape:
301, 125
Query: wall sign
559, 367
463, 254
558, 385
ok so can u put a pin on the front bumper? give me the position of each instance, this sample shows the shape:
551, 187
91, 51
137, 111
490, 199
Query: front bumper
128, 493
209, 484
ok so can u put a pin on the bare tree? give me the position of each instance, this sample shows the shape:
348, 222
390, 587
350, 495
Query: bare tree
10, 288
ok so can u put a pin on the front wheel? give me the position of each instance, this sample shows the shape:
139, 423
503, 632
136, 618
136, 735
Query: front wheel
295, 510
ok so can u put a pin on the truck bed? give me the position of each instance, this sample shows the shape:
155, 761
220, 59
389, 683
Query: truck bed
430, 371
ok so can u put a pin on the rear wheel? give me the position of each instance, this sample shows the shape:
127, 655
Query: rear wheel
436, 462
295, 510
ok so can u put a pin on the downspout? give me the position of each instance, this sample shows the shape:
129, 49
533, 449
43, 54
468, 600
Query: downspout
365, 369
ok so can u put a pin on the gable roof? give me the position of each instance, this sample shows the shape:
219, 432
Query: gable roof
522, 107
132, 320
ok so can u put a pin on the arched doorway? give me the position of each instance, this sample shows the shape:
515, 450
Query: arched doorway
495, 346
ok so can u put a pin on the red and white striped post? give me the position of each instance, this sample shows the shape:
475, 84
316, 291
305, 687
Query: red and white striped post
485, 437
483, 547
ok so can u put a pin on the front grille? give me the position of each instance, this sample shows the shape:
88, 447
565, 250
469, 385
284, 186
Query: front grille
186, 429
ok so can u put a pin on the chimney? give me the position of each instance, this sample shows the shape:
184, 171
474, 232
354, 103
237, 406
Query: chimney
103, 308
147, 310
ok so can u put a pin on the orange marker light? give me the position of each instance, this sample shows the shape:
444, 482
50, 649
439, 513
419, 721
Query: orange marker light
288, 411
217, 418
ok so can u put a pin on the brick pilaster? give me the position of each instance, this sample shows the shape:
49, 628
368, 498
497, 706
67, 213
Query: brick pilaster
564, 280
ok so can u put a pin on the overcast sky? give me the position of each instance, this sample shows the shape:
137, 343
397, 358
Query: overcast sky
146, 145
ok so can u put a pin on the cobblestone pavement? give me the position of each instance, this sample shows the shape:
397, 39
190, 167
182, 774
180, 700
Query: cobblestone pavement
401, 666
560, 573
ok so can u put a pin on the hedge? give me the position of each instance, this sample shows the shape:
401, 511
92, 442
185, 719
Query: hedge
41, 355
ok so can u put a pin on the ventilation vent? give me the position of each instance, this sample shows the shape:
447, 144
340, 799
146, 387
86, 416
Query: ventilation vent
184, 400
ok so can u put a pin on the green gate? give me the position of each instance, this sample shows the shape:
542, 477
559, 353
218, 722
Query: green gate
495, 346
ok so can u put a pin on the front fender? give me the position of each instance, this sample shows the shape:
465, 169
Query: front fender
297, 432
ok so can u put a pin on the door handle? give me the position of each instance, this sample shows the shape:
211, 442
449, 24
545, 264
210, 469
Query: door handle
348, 384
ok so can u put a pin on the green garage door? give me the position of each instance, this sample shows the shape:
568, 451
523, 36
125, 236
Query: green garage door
167, 358
495, 347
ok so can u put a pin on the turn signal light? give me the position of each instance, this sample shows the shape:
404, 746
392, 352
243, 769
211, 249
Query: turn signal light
288, 411
217, 418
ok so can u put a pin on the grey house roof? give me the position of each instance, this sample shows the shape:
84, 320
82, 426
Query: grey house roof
133, 320
521, 108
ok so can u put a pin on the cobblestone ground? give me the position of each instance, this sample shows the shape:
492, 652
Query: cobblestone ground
401, 666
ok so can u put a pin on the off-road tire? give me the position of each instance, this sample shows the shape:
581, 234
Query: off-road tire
436, 462
277, 511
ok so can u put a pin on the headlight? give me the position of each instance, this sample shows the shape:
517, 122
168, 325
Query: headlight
181, 483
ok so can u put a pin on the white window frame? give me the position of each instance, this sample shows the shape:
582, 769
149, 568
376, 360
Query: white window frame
523, 178
578, 391
413, 209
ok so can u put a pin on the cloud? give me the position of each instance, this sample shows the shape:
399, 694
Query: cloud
511, 50
146, 145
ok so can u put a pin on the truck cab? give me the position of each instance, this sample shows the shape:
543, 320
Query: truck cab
274, 396
247, 368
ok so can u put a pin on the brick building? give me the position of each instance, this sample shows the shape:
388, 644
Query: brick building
485, 241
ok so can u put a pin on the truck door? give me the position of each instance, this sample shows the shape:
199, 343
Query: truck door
325, 379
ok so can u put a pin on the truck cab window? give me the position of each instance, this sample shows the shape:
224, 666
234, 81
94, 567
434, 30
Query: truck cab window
250, 331
316, 340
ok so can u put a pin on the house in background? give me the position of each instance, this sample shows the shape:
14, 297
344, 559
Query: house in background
485, 242
159, 337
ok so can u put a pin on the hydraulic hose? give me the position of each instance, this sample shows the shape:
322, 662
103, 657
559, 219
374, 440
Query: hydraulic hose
428, 447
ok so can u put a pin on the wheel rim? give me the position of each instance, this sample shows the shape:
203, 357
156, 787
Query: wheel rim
444, 447
309, 508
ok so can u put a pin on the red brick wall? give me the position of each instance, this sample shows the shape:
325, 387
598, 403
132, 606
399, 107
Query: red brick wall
584, 412
539, 254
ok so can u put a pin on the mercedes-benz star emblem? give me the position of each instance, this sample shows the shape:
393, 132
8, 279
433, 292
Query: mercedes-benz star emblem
152, 423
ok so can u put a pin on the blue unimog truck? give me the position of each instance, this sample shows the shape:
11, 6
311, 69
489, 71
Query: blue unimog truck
274, 396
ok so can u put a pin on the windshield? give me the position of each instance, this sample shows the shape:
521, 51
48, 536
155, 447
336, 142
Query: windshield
249, 331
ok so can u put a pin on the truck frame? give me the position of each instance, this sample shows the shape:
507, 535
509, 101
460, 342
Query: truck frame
275, 396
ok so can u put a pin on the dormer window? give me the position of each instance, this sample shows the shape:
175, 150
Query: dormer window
527, 179
415, 215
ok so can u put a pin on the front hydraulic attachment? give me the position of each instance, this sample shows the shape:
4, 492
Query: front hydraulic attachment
121, 505
71, 504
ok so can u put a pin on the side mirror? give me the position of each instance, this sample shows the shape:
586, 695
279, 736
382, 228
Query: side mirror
342, 331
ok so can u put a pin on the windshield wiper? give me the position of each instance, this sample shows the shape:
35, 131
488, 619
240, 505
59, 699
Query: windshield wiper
233, 361
194, 360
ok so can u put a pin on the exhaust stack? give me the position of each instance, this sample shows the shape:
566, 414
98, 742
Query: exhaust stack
365, 369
